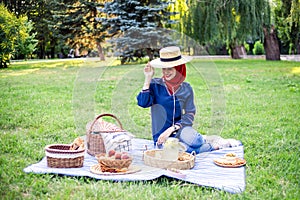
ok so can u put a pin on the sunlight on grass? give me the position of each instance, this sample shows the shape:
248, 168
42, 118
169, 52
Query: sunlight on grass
20, 73
49, 62
296, 70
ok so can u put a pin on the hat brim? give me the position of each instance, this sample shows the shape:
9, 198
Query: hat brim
157, 63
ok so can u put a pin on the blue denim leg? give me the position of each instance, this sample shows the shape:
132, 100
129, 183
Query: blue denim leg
203, 148
206, 147
191, 137
193, 141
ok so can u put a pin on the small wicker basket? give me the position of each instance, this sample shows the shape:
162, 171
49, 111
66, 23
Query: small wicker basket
153, 161
59, 156
114, 163
95, 143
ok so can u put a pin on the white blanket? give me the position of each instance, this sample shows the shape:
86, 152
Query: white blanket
204, 173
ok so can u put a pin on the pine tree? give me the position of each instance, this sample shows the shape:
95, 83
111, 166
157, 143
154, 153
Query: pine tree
137, 27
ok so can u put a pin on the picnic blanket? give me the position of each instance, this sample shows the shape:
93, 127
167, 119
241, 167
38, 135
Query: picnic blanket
204, 173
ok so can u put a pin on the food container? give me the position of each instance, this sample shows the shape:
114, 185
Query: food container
154, 158
60, 156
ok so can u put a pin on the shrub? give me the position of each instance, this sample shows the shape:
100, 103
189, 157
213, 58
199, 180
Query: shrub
258, 48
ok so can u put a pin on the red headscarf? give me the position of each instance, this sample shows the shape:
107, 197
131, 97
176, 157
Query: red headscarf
175, 82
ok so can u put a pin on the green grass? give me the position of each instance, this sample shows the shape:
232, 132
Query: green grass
255, 101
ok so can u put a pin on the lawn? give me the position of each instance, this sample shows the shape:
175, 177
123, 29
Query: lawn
255, 101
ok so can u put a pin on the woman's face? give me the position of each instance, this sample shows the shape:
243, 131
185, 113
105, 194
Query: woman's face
169, 73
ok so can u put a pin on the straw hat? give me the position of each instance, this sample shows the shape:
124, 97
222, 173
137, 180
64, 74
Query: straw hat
170, 57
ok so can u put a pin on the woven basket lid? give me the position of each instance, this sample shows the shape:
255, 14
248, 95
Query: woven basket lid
103, 126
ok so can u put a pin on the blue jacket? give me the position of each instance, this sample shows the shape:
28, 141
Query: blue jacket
162, 103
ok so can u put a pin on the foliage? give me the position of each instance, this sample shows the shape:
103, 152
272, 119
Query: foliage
136, 27
60, 25
247, 48
258, 48
8, 33
231, 22
15, 36
287, 21
37, 108
26, 42
36, 12
180, 7
74, 24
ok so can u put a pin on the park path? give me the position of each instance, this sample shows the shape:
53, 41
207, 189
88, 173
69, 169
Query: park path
282, 57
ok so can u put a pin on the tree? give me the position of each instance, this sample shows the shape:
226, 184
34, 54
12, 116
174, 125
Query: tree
36, 11
74, 22
12, 30
8, 35
180, 8
271, 44
287, 21
136, 27
26, 42
233, 22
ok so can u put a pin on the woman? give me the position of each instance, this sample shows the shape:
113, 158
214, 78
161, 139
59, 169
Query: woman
171, 101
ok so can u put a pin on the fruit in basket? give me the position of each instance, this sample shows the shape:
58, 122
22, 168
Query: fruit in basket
111, 153
118, 155
114, 164
124, 156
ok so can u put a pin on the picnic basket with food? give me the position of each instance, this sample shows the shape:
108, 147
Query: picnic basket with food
154, 158
172, 155
66, 155
113, 163
103, 136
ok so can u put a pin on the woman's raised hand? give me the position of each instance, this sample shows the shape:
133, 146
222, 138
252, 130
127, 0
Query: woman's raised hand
148, 71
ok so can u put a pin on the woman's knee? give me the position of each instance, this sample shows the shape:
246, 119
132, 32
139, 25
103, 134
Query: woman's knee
191, 137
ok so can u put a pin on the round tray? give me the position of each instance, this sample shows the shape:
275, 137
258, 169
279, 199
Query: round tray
97, 170
151, 160
240, 162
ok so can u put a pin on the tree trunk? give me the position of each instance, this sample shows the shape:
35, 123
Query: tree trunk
149, 53
42, 52
271, 44
3, 65
52, 48
100, 51
237, 51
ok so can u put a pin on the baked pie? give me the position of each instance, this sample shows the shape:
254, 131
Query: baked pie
230, 160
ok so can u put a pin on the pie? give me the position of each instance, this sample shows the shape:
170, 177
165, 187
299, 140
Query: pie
230, 161
104, 168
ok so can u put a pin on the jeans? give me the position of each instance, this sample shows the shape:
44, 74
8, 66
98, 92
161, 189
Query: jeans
193, 140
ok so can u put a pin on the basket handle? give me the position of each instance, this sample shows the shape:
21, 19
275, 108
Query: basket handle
103, 115
193, 153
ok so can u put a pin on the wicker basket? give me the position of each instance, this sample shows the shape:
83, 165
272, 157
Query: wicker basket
151, 160
114, 163
95, 143
59, 156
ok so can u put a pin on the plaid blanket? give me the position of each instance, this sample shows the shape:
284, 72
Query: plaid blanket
204, 173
